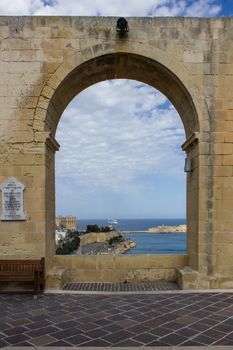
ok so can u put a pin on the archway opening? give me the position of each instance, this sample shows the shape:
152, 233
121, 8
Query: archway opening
120, 157
77, 76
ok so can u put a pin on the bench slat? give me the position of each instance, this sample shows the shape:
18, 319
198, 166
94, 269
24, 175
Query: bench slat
24, 270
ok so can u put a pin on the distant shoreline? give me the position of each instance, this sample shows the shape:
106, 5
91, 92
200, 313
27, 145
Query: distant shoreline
146, 231
135, 231
168, 229
129, 225
161, 229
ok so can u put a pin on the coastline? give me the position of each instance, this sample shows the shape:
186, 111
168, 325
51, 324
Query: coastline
93, 243
168, 229
160, 229
131, 224
139, 231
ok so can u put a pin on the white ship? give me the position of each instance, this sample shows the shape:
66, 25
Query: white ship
112, 221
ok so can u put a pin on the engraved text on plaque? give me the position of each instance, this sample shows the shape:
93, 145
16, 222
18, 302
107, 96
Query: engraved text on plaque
12, 200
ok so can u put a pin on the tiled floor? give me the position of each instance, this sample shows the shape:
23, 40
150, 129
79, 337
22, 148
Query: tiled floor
183, 319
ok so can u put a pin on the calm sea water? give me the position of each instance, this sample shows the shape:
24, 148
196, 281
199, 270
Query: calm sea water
146, 243
159, 243
130, 224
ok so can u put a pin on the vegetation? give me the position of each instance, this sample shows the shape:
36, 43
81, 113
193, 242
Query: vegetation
72, 240
96, 228
70, 245
115, 239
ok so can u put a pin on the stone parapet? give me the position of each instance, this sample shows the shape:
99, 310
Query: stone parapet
115, 268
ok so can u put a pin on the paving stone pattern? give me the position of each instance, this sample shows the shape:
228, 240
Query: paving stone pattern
159, 319
122, 287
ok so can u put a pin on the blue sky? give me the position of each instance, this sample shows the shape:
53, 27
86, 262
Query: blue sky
226, 8
120, 155
118, 7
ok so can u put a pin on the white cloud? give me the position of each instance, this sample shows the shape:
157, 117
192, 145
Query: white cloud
115, 133
20, 7
111, 8
200, 7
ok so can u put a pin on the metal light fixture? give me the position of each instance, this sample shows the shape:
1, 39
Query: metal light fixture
188, 166
122, 26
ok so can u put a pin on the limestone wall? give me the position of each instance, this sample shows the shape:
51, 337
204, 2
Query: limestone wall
46, 61
99, 237
115, 268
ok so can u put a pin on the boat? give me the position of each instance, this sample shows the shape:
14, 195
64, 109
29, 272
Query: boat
112, 221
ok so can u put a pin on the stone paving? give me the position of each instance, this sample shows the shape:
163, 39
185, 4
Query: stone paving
159, 319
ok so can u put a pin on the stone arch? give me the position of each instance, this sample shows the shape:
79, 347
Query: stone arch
146, 64
172, 79
50, 59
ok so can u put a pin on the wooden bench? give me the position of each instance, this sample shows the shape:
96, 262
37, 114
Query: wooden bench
24, 271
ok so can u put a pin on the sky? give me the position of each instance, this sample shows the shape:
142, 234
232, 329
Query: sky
200, 8
120, 154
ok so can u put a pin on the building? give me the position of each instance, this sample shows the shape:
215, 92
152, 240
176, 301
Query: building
66, 222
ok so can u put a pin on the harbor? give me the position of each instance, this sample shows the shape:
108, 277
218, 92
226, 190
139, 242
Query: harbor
104, 243
118, 238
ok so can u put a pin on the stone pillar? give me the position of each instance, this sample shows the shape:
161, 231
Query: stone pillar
51, 146
192, 200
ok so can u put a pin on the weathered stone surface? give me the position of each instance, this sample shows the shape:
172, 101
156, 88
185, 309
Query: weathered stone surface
46, 61
114, 268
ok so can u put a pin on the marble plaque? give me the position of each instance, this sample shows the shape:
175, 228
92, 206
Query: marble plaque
12, 200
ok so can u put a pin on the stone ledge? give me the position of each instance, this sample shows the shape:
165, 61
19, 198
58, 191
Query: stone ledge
189, 279
57, 278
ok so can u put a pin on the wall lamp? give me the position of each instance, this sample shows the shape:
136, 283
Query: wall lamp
122, 26
188, 165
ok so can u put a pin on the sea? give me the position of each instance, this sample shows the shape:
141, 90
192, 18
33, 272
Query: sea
146, 243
